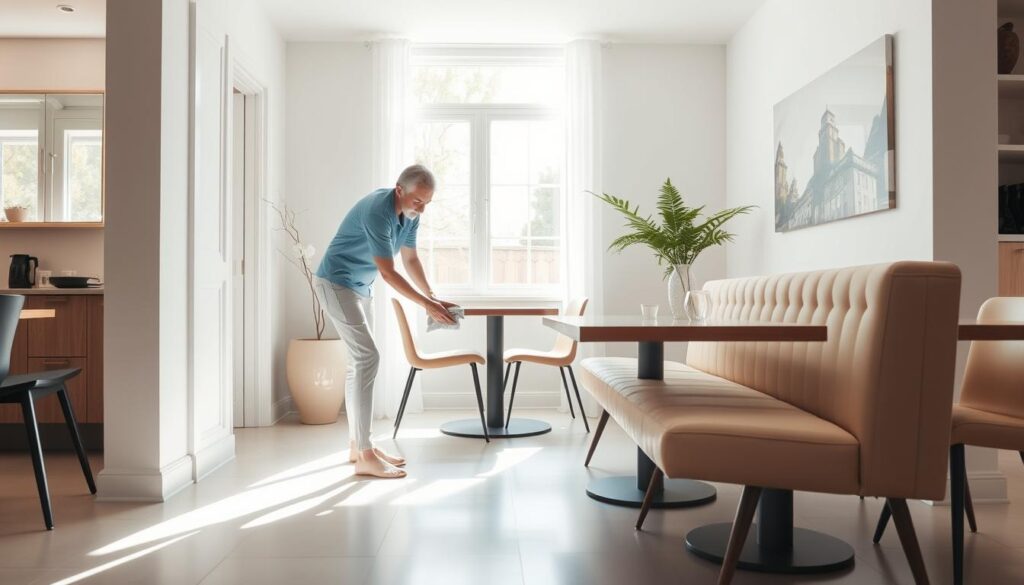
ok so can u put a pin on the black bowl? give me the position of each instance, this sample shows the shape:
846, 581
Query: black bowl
74, 281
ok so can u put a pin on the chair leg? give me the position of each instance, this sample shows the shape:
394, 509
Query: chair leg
740, 529
568, 399
597, 436
405, 400
35, 448
657, 478
504, 382
579, 401
76, 437
908, 538
957, 481
512, 398
969, 506
883, 521
480, 402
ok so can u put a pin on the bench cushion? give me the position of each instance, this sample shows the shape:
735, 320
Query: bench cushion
742, 435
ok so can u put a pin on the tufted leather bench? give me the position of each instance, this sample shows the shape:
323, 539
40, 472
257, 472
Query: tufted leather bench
866, 412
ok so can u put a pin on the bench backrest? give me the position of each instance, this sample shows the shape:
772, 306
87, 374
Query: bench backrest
885, 374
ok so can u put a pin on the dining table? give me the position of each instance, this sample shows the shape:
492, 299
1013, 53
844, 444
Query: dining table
776, 545
495, 383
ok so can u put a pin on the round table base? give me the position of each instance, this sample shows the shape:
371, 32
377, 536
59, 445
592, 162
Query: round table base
678, 493
813, 552
517, 427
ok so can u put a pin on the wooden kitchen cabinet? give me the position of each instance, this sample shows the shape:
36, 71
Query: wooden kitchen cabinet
1011, 269
73, 338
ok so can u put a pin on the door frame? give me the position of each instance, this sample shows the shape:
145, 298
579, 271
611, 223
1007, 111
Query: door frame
258, 394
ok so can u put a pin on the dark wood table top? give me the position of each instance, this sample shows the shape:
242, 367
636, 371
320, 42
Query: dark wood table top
973, 331
634, 328
510, 311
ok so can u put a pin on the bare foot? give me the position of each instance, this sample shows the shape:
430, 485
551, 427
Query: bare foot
367, 463
392, 459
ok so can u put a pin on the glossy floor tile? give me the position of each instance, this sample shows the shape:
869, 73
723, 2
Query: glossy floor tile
289, 510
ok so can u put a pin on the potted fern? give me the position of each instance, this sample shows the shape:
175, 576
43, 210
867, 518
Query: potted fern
677, 241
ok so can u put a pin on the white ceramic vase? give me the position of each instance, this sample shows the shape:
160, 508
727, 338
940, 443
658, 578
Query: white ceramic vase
678, 285
316, 378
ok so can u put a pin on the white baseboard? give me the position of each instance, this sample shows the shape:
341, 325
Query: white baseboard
144, 485
213, 456
467, 400
987, 487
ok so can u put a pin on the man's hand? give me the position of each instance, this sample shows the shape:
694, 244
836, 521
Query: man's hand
439, 312
446, 304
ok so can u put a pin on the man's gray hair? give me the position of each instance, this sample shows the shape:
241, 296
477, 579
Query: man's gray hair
414, 176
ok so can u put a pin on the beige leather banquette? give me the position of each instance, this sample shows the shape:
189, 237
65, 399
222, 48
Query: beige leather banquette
866, 412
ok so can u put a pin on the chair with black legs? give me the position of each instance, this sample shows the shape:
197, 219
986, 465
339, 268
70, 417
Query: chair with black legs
560, 356
990, 414
26, 389
427, 361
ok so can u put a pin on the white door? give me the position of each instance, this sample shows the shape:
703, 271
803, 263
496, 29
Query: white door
211, 326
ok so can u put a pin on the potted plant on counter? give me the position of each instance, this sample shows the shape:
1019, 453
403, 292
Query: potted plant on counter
315, 367
677, 241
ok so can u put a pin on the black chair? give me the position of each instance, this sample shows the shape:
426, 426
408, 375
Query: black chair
26, 389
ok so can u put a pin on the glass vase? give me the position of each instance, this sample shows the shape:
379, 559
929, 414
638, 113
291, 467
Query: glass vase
679, 283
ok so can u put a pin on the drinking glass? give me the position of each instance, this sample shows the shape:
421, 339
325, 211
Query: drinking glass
649, 312
698, 305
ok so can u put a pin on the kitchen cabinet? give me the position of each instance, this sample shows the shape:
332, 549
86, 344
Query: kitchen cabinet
1011, 269
73, 338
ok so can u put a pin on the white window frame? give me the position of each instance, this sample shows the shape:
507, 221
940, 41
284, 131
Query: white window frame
479, 117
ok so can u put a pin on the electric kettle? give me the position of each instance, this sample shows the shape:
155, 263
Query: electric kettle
23, 271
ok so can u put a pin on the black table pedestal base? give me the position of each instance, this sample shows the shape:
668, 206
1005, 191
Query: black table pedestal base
677, 493
812, 552
517, 427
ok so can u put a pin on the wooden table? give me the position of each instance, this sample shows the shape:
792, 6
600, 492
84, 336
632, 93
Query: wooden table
517, 427
971, 330
776, 546
38, 313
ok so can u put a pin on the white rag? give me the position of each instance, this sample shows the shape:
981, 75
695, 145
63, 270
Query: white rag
457, 313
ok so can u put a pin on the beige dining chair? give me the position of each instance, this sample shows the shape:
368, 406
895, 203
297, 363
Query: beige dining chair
990, 414
432, 361
560, 356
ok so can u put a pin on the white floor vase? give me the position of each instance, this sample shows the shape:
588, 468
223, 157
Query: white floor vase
316, 378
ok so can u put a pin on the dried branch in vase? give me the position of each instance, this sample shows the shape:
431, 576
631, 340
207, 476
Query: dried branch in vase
302, 258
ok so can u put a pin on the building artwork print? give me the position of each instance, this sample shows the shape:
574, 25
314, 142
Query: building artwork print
835, 143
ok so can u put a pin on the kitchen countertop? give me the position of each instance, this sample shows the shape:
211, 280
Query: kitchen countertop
96, 290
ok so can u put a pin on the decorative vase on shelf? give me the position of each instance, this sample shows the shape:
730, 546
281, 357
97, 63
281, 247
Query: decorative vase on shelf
679, 283
316, 378
1009, 49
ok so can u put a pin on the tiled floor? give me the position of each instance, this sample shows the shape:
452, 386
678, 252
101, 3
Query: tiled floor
288, 511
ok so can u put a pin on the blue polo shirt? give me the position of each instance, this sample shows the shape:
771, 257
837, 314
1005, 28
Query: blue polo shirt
371, 230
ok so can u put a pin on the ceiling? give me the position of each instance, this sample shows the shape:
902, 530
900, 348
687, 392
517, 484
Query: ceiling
511, 21
40, 18
439, 21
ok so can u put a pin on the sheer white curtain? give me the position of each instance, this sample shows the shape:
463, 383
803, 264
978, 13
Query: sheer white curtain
583, 173
391, 153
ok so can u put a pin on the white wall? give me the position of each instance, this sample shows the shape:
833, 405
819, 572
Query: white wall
784, 46
256, 44
664, 116
55, 65
946, 166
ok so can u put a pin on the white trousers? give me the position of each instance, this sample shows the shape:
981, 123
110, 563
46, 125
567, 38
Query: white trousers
352, 316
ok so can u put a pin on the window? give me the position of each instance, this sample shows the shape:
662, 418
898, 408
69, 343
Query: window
82, 199
19, 170
489, 124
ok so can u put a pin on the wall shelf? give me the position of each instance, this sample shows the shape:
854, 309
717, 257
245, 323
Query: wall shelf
1011, 86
